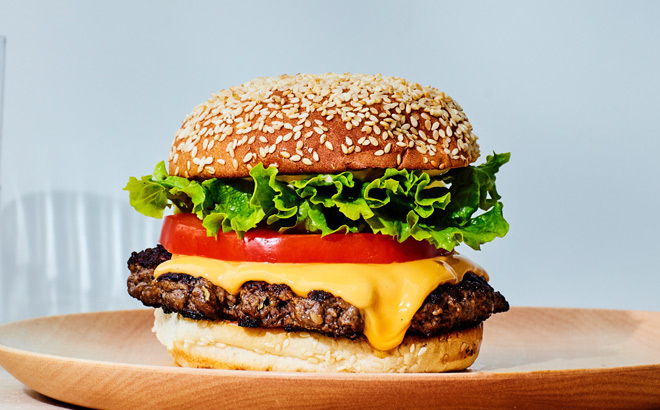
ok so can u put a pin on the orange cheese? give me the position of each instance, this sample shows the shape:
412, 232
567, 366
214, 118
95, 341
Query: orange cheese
388, 295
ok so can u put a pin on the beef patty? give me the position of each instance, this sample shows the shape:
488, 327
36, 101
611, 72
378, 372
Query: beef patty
259, 304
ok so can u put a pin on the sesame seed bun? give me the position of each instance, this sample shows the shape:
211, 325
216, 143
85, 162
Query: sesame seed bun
225, 345
305, 124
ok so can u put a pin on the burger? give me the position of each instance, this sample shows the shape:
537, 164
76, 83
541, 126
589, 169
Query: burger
313, 226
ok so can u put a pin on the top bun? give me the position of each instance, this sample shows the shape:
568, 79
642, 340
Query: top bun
328, 123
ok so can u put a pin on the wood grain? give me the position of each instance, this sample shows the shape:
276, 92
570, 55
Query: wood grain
531, 358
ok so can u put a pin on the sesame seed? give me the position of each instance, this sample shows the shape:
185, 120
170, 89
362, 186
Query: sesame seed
284, 154
247, 157
307, 161
379, 106
379, 153
329, 146
295, 158
315, 155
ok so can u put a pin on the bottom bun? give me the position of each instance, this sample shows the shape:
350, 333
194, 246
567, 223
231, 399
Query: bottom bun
225, 345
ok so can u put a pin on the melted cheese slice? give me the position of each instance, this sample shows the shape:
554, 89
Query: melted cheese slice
388, 295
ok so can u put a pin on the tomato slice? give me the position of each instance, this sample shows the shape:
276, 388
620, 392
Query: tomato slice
184, 234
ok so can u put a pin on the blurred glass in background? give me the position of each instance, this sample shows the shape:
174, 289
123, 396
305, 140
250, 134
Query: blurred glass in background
64, 251
3, 41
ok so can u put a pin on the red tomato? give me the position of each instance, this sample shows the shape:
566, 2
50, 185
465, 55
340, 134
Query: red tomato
184, 234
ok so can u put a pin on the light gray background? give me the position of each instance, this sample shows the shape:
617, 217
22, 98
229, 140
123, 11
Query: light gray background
95, 91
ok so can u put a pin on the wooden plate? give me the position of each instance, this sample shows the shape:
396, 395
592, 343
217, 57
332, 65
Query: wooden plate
531, 357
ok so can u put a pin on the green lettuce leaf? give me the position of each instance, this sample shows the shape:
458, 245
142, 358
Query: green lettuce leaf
459, 206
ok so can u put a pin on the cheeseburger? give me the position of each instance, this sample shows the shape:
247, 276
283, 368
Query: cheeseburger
314, 226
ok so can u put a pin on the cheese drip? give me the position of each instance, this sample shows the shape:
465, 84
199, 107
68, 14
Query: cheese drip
388, 295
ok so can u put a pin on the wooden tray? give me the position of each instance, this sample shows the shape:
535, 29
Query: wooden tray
531, 358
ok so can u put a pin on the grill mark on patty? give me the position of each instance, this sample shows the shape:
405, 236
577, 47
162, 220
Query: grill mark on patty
259, 304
